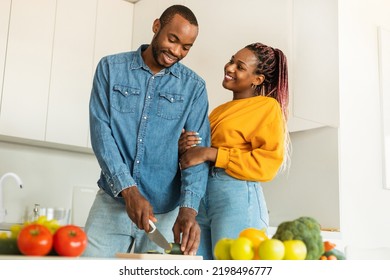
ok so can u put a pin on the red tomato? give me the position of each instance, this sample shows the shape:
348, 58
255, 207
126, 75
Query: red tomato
70, 241
35, 240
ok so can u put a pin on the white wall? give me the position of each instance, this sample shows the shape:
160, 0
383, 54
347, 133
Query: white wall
365, 205
48, 176
311, 187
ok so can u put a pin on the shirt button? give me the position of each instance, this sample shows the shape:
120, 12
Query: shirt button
149, 96
172, 99
126, 93
145, 117
140, 140
137, 161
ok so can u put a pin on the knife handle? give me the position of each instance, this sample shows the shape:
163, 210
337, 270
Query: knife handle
153, 226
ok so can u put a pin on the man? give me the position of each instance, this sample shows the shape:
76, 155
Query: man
140, 102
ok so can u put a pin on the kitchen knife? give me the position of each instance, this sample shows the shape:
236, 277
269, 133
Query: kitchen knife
157, 237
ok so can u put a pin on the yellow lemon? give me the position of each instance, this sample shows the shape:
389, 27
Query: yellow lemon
294, 250
242, 249
222, 249
271, 249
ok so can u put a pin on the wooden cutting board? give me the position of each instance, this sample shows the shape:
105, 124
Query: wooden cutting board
157, 256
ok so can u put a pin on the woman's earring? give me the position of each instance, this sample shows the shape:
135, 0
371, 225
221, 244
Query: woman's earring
262, 90
253, 86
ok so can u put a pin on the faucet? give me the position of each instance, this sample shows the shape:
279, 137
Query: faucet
3, 211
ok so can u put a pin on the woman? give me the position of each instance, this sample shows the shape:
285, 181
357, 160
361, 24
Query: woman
250, 144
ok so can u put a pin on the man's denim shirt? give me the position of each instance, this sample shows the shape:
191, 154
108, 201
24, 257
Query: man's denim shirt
136, 119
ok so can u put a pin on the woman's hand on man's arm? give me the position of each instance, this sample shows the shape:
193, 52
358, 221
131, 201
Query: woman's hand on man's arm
188, 139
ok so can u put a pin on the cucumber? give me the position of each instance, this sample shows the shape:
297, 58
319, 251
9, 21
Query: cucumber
334, 252
175, 249
9, 246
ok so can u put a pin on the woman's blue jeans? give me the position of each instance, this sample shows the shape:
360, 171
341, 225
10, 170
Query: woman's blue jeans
229, 206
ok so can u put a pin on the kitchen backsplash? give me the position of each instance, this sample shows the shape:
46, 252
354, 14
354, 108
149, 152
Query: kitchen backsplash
49, 178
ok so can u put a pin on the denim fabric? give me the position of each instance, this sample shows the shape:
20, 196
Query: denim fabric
229, 206
120, 234
136, 119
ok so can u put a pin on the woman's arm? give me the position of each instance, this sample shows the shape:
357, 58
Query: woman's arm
196, 155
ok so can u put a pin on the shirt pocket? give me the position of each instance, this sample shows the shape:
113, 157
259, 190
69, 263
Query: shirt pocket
170, 106
125, 98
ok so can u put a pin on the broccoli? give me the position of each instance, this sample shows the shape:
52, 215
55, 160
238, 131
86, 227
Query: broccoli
306, 229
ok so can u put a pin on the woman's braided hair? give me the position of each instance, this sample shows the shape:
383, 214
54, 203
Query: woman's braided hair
273, 65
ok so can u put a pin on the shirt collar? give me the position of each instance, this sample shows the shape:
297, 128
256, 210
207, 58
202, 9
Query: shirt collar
138, 62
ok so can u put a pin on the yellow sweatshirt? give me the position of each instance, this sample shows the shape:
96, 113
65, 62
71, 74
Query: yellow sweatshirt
249, 135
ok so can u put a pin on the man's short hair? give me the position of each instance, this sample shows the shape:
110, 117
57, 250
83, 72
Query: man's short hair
181, 10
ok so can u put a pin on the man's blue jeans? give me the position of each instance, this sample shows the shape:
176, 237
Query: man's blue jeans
111, 232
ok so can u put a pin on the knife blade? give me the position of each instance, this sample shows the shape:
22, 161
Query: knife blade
156, 236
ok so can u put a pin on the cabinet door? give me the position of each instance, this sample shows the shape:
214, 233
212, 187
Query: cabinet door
114, 29
315, 100
27, 71
71, 75
5, 6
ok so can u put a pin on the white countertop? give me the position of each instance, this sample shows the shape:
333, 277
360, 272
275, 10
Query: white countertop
7, 226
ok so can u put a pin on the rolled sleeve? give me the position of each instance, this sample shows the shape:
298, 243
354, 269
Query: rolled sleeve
222, 158
194, 181
120, 182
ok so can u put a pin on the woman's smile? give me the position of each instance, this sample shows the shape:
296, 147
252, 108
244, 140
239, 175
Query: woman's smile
228, 77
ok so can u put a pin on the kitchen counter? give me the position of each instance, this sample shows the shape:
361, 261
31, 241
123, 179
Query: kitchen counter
332, 236
21, 257
7, 226
119, 256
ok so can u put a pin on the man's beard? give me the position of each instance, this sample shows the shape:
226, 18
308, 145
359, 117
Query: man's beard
156, 50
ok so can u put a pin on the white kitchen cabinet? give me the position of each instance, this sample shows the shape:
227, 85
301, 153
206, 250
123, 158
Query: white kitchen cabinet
314, 64
5, 7
50, 58
85, 32
27, 72
71, 72
114, 30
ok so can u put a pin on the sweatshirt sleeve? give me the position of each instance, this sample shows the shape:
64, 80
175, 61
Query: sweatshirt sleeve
263, 161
